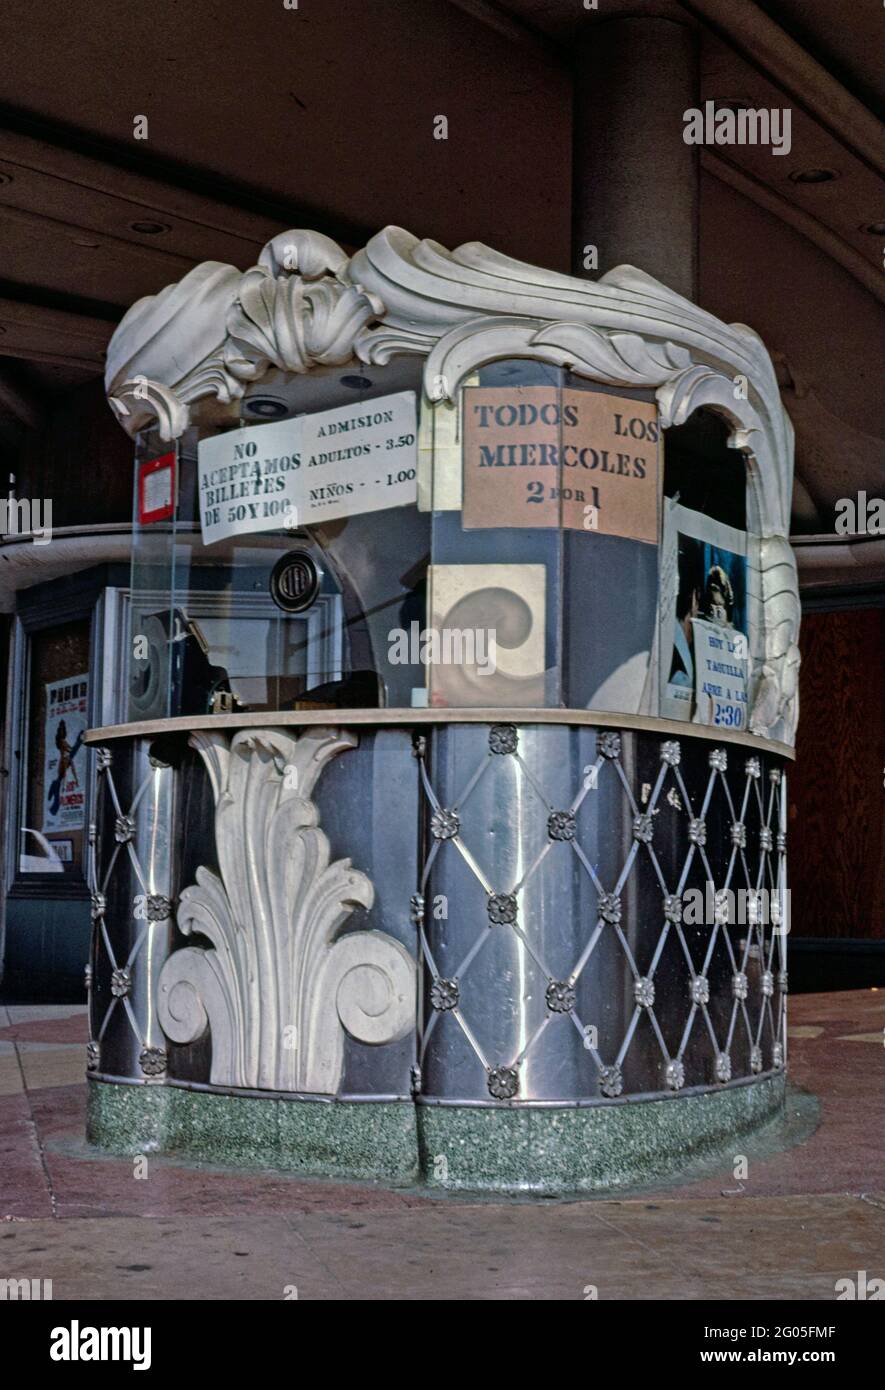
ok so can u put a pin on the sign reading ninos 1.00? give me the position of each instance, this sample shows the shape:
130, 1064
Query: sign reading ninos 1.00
336, 463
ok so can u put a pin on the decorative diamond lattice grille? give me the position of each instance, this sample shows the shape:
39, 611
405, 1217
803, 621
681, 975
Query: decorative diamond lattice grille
148, 911
676, 972
576, 914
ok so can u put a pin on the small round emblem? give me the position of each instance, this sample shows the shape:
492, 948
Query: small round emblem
294, 582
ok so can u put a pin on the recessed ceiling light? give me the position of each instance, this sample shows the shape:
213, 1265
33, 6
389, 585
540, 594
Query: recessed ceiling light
874, 228
813, 175
149, 228
266, 407
356, 383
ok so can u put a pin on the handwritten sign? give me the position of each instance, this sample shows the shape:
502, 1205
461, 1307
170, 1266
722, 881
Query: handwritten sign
721, 671
538, 457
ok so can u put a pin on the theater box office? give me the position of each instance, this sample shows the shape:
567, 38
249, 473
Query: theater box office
443, 811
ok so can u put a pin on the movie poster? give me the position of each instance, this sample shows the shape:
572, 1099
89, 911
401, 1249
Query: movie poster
64, 764
704, 631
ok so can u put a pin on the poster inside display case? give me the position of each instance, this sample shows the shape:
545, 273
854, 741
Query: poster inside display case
54, 791
549, 456
704, 646
64, 781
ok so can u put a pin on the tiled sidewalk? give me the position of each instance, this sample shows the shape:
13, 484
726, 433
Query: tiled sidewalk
801, 1219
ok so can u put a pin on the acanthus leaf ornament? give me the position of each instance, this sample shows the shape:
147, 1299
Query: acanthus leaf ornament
218, 329
620, 359
775, 711
277, 956
311, 254
293, 325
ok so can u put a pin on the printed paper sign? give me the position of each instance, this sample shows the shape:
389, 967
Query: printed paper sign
359, 458
64, 773
248, 480
586, 460
336, 463
721, 675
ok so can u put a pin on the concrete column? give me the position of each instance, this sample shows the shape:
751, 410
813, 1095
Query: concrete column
635, 189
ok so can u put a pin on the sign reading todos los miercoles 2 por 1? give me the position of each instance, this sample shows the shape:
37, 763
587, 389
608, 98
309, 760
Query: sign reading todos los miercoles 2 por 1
535, 456
336, 463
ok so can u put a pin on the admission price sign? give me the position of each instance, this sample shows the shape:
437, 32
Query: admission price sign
359, 458
336, 463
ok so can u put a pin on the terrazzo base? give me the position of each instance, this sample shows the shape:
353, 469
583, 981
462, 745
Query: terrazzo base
506, 1149
588, 1148
341, 1139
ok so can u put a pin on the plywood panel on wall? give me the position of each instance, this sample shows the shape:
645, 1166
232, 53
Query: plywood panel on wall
837, 788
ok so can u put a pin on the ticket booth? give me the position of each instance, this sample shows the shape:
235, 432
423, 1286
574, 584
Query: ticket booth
444, 839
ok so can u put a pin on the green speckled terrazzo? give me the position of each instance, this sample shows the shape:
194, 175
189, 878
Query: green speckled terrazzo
342, 1139
469, 1148
518, 1149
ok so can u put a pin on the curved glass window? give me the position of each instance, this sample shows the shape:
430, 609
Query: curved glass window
545, 496
537, 542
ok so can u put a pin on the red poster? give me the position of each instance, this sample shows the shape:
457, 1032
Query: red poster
156, 489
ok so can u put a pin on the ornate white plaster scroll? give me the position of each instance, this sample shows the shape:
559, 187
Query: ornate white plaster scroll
306, 303
472, 306
775, 711
279, 984
217, 330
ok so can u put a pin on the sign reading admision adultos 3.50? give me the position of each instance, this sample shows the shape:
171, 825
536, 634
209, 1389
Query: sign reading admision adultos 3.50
336, 463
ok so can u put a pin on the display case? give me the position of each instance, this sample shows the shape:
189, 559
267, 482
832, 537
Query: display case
449, 816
